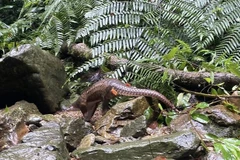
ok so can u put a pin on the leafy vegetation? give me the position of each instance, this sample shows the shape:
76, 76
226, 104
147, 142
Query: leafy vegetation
45, 23
173, 34
12, 8
199, 35
182, 35
228, 147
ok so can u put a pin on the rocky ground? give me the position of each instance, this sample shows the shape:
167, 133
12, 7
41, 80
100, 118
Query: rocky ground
28, 134
30, 127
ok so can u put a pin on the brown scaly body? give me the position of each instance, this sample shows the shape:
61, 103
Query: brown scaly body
103, 90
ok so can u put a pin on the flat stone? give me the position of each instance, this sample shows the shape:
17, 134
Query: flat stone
177, 145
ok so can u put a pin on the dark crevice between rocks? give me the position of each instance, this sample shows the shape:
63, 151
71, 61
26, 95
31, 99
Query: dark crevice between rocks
11, 97
70, 148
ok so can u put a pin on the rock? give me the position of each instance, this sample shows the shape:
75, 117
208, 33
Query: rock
44, 143
20, 110
224, 123
183, 122
119, 115
157, 132
136, 128
8, 136
234, 100
74, 131
80, 50
31, 74
74, 128
12, 123
222, 116
87, 141
212, 156
178, 145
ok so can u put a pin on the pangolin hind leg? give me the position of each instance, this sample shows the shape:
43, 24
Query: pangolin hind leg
91, 108
105, 106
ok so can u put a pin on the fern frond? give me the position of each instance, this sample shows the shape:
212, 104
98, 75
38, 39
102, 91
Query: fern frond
104, 20
218, 28
201, 3
119, 72
136, 55
157, 43
54, 28
142, 31
57, 28
124, 54
50, 9
229, 6
230, 42
236, 57
115, 33
116, 45
96, 62
147, 77
186, 16
145, 49
120, 6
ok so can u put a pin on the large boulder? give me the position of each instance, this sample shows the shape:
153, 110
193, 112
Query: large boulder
31, 74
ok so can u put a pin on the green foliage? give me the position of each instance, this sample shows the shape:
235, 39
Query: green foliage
228, 147
60, 22
76, 86
148, 113
163, 117
9, 10
6, 109
176, 34
198, 116
216, 89
183, 100
231, 107
47, 24
170, 116
108, 24
114, 28
182, 57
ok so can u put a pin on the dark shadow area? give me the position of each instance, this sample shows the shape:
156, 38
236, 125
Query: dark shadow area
10, 98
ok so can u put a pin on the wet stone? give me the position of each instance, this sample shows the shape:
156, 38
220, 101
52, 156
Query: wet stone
223, 123
135, 128
177, 145
44, 143
87, 141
